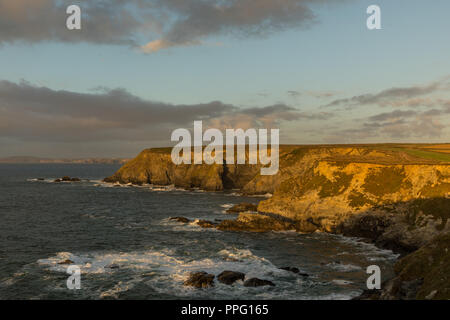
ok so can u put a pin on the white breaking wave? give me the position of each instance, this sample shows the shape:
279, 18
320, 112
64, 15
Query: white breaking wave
165, 273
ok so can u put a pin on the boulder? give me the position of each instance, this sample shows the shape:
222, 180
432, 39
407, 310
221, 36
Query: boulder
255, 282
67, 261
230, 277
242, 207
200, 279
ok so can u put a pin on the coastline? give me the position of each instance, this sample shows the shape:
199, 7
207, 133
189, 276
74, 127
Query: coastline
392, 200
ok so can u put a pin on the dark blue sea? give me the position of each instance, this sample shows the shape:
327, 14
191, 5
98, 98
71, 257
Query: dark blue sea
96, 225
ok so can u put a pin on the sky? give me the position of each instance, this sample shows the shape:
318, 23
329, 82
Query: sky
137, 70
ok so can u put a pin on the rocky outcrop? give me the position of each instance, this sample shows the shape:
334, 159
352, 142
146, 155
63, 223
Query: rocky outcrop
423, 274
242, 207
255, 282
402, 227
200, 279
230, 277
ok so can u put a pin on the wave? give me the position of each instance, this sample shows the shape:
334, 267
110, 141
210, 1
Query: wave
343, 267
372, 252
164, 272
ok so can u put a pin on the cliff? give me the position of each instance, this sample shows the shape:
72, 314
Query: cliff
398, 196
325, 188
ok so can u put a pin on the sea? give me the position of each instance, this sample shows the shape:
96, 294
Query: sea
126, 247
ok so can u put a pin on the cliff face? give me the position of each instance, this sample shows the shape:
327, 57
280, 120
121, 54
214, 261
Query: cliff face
155, 166
329, 192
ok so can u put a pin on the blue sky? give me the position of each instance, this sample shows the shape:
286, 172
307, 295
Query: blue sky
336, 55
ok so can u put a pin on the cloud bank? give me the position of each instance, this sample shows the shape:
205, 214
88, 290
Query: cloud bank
152, 25
31, 113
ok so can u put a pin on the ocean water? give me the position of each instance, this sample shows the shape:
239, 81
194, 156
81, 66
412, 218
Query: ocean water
96, 225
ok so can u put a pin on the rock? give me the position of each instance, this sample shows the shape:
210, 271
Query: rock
229, 277
295, 270
67, 261
256, 222
291, 269
180, 219
112, 266
40, 179
369, 295
206, 224
242, 207
303, 274
67, 179
255, 282
200, 280
423, 274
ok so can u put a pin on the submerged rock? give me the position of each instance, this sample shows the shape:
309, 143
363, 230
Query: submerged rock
180, 219
255, 282
242, 207
112, 266
291, 269
200, 279
230, 277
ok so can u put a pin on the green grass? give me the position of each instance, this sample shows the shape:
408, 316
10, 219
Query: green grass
422, 154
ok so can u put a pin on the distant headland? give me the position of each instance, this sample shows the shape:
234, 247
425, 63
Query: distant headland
29, 159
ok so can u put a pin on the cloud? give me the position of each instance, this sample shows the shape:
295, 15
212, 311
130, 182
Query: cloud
166, 23
31, 113
403, 96
293, 93
397, 114
398, 125
322, 94
103, 22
